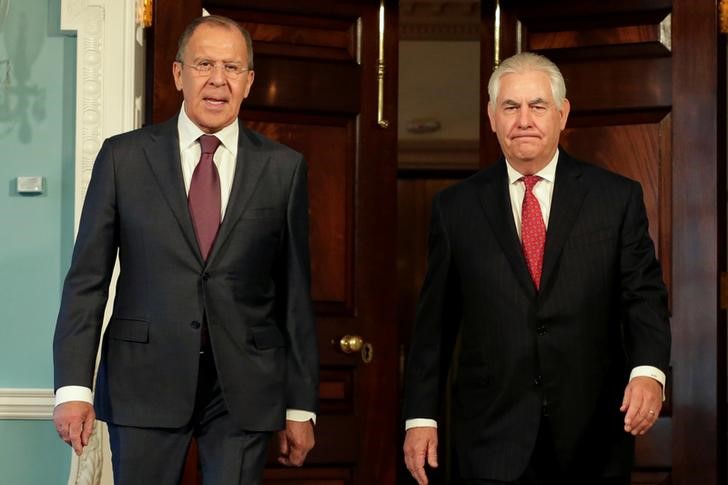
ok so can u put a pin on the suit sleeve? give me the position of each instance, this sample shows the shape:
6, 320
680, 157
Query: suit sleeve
436, 325
302, 373
86, 287
643, 293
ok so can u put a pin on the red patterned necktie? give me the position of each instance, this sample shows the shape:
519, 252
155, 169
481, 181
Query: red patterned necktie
203, 199
533, 230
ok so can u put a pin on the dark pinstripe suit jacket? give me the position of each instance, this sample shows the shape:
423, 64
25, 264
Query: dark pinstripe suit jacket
253, 289
601, 311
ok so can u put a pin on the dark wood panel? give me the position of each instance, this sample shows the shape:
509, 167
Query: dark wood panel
308, 476
336, 390
624, 84
298, 35
163, 100
575, 14
631, 34
655, 451
329, 145
651, 478
287, 86
414, 201
699, 217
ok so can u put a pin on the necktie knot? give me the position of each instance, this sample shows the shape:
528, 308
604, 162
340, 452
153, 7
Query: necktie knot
209, 144
530, 181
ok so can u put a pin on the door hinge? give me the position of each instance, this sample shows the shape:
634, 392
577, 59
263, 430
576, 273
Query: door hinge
723, 291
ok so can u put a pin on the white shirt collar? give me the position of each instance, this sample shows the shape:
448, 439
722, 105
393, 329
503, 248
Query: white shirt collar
190, 132
546, 173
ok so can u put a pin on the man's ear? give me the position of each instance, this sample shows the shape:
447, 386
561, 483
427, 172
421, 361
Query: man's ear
491, 116
177, 74
564, 112
251, 78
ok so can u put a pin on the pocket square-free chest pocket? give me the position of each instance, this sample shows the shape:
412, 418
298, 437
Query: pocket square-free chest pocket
128, 330
266, 337
263, 213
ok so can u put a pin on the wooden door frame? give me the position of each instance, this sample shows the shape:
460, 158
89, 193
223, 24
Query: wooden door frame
698, 324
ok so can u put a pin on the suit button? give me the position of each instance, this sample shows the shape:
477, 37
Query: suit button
537, 380
195, 324
542, 330
205, 276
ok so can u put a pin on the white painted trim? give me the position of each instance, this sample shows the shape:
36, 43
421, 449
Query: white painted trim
26, 403
109, 100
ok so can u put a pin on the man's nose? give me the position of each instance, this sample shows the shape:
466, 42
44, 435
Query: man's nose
217, 75
524, 117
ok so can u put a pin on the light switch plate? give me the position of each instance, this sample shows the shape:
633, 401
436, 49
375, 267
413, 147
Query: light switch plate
29, 185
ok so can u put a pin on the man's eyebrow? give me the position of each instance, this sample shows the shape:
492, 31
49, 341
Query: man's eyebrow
510, 102
537, 101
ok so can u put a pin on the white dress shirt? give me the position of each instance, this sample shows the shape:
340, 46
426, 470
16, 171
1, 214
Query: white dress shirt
543, 191
225, 159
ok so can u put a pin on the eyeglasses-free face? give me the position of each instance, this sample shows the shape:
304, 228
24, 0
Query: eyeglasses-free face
214, 76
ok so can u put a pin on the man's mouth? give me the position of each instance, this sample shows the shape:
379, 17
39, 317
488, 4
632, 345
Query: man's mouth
215, 102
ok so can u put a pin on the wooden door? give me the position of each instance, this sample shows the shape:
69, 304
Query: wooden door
642, 77
316, 90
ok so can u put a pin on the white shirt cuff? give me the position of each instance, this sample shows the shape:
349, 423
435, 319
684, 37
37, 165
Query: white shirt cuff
420, 423
300, 415
649, 371
74, 393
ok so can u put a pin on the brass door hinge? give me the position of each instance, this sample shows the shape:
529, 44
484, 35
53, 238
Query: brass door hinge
723, 291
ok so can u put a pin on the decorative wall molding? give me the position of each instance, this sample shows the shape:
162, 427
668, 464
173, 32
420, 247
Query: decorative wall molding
109, 100
26, 403
444, 20
109, 77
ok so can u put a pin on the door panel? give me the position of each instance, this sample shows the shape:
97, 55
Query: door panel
316, 91
642, 77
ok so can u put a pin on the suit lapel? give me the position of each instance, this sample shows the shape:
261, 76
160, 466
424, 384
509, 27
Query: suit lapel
249, 166
496, 204
162, 152
566, 202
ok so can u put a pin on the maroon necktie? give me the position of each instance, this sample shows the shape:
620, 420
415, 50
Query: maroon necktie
204, 196
533, 230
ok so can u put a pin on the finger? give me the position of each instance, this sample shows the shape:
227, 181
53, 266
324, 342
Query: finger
626, 399
297, 456
633, 409
88, 428
283, 443
432, 455
75, 437
649, 421
420, 475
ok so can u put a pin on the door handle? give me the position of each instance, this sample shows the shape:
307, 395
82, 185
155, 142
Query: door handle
350, 344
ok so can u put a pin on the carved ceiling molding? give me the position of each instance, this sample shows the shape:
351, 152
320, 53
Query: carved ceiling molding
453, 20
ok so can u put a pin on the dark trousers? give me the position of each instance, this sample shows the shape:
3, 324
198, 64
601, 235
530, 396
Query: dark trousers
544, 469
156, 456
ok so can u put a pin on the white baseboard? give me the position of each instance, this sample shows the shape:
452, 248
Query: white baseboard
26, 403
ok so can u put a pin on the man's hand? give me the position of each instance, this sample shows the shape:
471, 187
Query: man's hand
295, 442
420, 443
74, 422
642, 403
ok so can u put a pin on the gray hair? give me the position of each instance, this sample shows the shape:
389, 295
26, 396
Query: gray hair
526, 62
219, 21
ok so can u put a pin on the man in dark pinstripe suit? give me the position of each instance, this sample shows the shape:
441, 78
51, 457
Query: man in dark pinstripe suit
564, 344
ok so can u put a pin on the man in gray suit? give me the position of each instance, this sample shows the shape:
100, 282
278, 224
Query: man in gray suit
212, 333
545, 267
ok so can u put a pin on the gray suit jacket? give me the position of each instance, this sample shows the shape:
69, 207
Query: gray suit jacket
253, 290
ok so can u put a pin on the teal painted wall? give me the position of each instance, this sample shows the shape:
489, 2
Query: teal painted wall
37, 121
